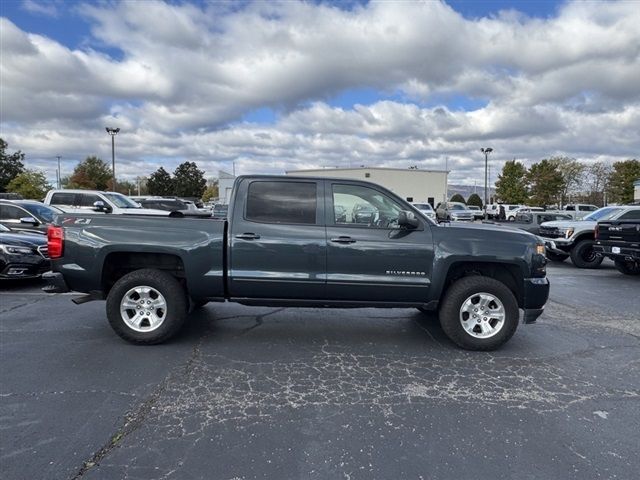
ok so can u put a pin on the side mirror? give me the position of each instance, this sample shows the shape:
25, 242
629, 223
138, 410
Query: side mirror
30, 221
408, 219
99, 206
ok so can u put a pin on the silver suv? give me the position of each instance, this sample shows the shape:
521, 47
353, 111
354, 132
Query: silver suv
453, 212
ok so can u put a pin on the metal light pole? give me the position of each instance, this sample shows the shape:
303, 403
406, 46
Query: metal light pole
486, 152
113, 132
59, 173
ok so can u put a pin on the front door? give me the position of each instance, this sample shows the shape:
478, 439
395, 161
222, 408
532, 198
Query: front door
369, 257
278, 240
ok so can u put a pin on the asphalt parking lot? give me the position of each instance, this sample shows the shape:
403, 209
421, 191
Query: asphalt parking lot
249, 393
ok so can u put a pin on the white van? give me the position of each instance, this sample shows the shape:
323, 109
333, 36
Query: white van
94, 201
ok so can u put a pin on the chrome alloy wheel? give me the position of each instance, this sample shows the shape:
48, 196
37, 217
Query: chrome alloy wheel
143, 309
482, 315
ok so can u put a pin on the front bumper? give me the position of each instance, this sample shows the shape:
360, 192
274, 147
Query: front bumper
55, 283
557, 245
536, 294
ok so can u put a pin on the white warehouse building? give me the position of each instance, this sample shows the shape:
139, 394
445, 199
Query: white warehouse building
419, 186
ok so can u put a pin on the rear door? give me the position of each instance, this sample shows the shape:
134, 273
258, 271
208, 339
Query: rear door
278, 240
377, 260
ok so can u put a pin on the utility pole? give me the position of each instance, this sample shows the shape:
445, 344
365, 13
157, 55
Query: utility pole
113, 132
446, 178
59, 173
486, 152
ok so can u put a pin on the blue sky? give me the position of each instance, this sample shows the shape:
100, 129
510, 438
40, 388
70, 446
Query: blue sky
279, 86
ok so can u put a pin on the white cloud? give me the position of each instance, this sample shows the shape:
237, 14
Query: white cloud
569, 84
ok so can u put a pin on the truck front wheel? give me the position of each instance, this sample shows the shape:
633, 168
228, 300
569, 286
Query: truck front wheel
479, 313
584, 256
147, 306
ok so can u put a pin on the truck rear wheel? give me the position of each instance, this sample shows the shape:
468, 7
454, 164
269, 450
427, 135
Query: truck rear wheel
479, 313
584, 256
147, 306
627, 267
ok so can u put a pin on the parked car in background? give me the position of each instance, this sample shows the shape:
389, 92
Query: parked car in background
10, 196
94, 201
453, 212
220, 210
531, 221
477, 212
427, 209
511, 216
188, 209
26, 216
576, 238
22, 255
579, 210
363, 213
493, 210
619, 240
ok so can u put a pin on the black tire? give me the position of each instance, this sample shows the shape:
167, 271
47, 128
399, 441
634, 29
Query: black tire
168, 287
627, 267
583, 255
557, 257
453, 300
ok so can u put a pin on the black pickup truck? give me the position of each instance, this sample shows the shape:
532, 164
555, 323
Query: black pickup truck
288, 242
620, 241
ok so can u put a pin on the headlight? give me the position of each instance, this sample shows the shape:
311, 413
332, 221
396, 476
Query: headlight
568, 232
12, 250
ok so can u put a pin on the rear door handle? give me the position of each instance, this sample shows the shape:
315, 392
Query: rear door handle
248, 236
343, 239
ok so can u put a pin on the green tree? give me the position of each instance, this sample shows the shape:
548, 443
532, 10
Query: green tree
11, 165
545, 183
210, 193
573, 175
92, 174
511, 186
620, 185
160, 183
475, 200
30, 184
188, 180
457, 198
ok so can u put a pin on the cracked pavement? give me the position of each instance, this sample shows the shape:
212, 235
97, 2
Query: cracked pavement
249, 393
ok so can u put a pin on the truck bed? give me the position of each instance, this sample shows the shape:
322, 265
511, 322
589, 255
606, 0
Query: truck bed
99, 243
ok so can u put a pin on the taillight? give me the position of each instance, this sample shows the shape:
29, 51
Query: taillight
55, 241
597, 232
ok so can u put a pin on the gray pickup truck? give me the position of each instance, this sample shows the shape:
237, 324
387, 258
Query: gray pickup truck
288, 242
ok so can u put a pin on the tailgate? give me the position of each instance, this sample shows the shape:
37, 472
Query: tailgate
619, 231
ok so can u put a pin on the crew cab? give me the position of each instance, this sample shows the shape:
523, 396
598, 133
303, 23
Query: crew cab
284, 245
619, 240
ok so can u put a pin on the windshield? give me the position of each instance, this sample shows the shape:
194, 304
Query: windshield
473, 208
121, 201
604, 213
457, 206
3, 228
40, 211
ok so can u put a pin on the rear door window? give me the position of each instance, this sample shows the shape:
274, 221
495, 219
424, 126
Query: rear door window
282, 202
63, 199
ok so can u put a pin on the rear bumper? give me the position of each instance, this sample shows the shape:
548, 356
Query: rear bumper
605, 249
55, 283
536, 294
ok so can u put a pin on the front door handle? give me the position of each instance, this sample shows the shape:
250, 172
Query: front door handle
248, 236
343, 239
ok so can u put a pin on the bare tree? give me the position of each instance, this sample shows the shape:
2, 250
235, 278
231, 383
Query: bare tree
596, 177
572, 172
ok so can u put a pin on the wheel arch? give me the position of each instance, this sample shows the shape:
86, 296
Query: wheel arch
115, 265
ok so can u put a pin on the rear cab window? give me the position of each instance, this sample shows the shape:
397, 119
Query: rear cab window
282, 202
